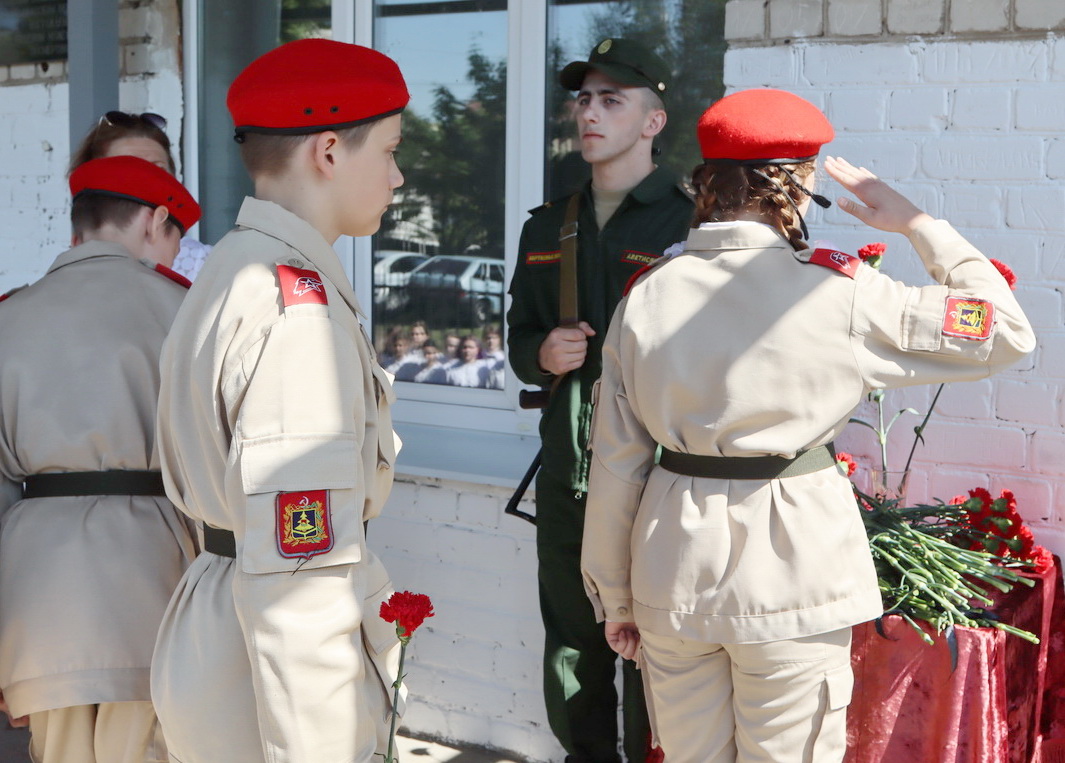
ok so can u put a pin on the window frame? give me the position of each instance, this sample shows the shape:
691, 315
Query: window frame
495, 437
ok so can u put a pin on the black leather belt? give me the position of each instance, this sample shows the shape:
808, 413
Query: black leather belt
753, 468
113, 482
220, 542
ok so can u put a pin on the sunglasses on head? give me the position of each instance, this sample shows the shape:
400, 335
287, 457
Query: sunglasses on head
122, 119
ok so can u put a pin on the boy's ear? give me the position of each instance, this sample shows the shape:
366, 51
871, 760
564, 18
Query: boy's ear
656, 121
324, 146
159, 217
155, 225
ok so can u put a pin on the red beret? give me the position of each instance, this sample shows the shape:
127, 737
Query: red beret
312, 85
763, 127
132, 178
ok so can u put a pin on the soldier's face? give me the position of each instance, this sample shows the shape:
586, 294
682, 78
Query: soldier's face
611, 118
366, 177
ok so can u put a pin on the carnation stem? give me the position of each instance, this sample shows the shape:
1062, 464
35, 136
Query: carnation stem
918, 431
395, 701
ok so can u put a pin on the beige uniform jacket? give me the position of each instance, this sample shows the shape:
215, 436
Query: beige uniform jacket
738, 348
259, 398
84, 580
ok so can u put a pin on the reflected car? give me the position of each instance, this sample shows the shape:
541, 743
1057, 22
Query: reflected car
454, 289
391, 272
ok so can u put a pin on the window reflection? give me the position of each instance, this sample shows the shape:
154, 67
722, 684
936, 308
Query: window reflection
438, 276
688, 34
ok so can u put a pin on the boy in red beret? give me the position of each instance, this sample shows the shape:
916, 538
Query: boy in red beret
91, 548
736, 562
275, 433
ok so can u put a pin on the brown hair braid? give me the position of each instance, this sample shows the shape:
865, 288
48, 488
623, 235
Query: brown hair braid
725, 191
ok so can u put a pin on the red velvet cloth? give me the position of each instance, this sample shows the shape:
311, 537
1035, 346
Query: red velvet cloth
1005, 696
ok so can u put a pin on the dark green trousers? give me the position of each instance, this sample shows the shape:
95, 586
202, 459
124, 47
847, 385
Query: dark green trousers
579, 667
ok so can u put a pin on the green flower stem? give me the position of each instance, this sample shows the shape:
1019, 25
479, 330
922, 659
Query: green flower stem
403, 641
918, 431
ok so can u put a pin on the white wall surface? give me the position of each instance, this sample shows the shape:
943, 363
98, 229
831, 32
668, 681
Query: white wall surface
974, 131
34, 134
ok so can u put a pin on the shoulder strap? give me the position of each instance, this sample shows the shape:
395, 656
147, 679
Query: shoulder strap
567, 272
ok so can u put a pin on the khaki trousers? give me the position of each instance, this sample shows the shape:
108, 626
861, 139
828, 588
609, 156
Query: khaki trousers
778, 702
111, 732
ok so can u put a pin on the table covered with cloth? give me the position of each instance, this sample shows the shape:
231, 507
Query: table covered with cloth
1004, 701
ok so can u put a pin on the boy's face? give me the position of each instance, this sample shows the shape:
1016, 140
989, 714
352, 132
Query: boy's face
610, 117
366, 177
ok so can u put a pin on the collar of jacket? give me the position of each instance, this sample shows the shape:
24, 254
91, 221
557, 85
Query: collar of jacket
649, 190
736, 234
88, 251
291, 229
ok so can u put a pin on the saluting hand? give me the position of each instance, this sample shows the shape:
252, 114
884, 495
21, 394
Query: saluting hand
623, 638
565, 349
885, 208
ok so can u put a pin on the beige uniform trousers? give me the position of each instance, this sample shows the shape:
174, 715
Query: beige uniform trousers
777, 702
111, 732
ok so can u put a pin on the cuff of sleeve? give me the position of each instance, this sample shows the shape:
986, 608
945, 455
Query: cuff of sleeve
617, 610
525, 360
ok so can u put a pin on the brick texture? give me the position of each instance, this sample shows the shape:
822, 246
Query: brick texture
972, 129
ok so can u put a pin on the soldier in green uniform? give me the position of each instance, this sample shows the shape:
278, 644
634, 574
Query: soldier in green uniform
629, 213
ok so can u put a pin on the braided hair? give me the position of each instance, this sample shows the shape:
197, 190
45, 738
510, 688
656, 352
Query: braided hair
727, 190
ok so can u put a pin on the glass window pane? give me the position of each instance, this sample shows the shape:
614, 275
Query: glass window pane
688, 34
232, 34
439, 323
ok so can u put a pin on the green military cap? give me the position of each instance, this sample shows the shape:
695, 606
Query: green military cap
624, 61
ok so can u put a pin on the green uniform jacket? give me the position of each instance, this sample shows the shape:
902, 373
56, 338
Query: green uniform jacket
655, 214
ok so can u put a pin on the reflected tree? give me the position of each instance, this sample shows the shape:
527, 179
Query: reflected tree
454, 164
689, 35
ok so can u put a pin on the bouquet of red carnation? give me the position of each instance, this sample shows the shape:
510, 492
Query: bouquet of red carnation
995, 526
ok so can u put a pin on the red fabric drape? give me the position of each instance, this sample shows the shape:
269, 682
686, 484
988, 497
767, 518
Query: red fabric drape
1004, 697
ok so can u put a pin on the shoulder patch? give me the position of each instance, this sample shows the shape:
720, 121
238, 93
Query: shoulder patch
968, 318
303, 524
833, 259
301, 287
7, 294
173, 275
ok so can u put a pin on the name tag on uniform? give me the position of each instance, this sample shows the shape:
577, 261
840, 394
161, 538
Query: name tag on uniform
638, 258
968, 318
303, 526
542, 258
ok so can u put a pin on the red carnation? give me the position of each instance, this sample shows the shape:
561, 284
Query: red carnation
1041, 558
871, 254
407, 610
872, 250
845, 462
1007, 273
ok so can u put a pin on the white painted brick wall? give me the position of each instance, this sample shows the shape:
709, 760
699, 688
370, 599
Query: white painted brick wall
475, 667
35, 145
974, 131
